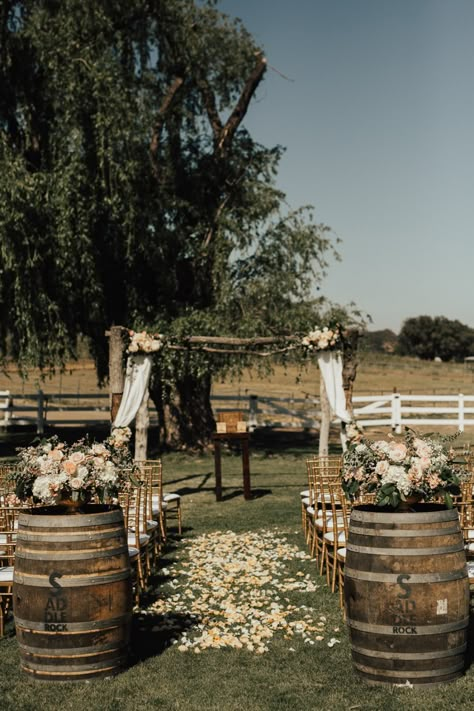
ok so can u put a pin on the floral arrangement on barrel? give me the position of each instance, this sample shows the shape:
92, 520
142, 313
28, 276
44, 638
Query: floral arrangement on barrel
323, 338
422, 467
53, 472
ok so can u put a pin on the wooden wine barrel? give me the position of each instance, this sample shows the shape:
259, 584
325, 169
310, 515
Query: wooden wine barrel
72, 593
406, 595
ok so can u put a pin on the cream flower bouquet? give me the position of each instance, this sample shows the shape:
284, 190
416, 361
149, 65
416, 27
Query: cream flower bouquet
52, 471
421, 466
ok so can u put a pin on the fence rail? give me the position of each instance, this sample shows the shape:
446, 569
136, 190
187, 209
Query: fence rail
391, 410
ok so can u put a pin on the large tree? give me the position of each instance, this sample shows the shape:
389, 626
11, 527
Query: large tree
430, 337
131, 192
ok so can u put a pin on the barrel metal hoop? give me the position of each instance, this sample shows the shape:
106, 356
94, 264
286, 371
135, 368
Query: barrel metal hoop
402, 674
74, 627
409, 655
77, 581
414, 577
72, 670
441, 550
30, 520
404, 532
83, 554
78, 536
73, 652
413, 517
420, 629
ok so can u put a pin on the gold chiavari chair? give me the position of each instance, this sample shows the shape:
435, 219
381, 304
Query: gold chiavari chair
152, 472
8, 532
309, 506
130, 502
165, 506
322, 517
465, 506
336, 537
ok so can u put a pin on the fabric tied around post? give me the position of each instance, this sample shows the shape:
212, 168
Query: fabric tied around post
137, 377
330, 365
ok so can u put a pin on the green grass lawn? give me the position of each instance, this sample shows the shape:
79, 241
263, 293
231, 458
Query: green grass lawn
299, 671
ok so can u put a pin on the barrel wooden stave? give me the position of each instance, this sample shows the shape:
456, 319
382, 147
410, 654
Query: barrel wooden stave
72, 594
407, 596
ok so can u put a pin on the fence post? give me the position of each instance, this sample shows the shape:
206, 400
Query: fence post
461, 412
40, 414
396, 415
253, 412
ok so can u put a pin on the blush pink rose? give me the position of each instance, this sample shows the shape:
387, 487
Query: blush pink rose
55, 455
382, 467
77, 457
69, 467
422, 448
397, 451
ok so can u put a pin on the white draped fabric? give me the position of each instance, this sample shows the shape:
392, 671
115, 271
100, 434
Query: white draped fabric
330, 365
137, 377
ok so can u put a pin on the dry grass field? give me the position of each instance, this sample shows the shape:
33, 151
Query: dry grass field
376, 374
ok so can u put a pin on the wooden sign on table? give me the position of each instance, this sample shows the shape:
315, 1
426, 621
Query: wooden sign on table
229, 422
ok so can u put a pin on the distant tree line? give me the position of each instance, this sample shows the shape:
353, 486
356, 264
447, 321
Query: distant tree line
424, 337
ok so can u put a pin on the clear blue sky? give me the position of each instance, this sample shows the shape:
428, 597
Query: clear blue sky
378, 126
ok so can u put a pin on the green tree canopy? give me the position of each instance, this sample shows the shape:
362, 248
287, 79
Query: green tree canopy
130, 190
435, 337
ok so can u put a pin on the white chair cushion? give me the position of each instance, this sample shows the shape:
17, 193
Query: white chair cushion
143, 539
329, 522
306, 501
171, 497
6, 574
341, 553
133, 552
157, 504
329, 537
151, 525
304, 494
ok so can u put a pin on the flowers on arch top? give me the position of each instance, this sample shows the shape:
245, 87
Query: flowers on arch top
143, 342
420, 465
323, 339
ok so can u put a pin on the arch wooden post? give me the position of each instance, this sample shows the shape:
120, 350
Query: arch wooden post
116, 372
325, 419
142, 423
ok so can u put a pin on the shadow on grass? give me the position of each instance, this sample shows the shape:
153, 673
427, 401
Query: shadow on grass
188, 490
151, 634
255, 494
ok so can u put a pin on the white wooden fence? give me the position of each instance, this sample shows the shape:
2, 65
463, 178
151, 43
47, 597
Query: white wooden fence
392, 410
397, 410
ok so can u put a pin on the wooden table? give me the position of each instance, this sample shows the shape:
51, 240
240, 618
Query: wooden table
243, 439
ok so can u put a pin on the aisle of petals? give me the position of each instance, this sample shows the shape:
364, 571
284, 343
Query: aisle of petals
232, 587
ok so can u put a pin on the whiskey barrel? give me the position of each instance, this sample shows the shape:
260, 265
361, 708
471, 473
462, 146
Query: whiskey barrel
72, 593
406, 595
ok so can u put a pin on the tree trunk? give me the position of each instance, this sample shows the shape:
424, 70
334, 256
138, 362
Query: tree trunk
185, 417
116, 370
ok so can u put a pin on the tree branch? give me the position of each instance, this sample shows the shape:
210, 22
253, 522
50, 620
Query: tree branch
160, 119
237, 115
210, 106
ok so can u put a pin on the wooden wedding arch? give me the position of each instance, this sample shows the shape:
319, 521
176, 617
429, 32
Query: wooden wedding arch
260, 347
